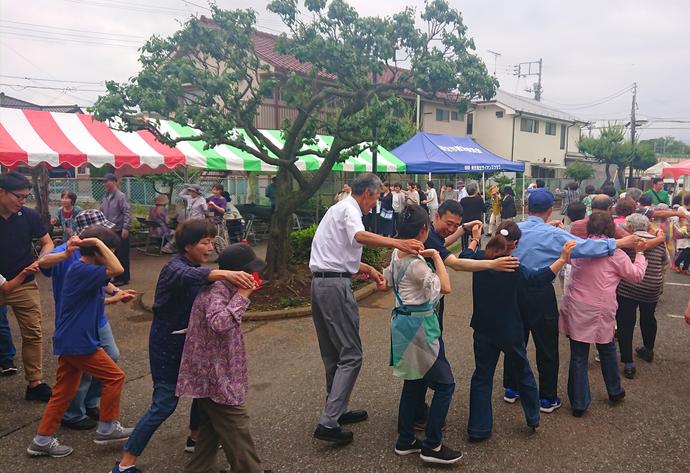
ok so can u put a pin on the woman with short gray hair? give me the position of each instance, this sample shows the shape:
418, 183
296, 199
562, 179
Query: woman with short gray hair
473, 208
644, 295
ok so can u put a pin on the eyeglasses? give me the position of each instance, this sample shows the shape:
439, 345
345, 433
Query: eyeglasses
21, 197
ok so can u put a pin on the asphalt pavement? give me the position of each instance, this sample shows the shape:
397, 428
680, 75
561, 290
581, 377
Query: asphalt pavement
649, 431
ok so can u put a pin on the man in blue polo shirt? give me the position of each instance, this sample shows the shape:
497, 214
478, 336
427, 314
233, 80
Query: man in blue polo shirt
541, 244
19, 225
83, 412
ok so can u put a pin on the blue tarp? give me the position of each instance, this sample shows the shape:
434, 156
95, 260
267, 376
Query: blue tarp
445, 154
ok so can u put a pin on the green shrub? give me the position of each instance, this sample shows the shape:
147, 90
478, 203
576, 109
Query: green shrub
375, 257
300, 244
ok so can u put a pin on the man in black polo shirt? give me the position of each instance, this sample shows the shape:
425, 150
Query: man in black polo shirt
18, 226
445, 230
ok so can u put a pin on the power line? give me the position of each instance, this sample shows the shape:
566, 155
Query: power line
52, 27
32, 37
18, 30
51, 80
23, 87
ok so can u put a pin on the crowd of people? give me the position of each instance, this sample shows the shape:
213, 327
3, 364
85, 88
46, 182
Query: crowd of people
611, 255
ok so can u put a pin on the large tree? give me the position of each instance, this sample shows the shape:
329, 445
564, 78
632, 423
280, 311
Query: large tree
208, 75
608, 148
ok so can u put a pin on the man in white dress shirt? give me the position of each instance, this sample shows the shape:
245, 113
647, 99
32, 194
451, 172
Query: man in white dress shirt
336, 253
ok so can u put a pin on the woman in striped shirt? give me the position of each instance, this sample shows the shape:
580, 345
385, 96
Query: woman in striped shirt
644, 295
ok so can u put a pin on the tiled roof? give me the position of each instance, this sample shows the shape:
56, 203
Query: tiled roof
264, 45
12, 102
531, 106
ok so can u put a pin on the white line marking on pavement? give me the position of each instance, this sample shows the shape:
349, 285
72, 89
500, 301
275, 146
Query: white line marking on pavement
675, 316
676, 284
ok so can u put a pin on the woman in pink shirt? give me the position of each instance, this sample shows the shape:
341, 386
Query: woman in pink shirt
588, 313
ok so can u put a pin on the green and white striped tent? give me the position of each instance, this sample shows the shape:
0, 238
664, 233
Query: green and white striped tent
228, 158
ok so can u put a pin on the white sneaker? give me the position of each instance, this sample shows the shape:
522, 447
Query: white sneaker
118, 433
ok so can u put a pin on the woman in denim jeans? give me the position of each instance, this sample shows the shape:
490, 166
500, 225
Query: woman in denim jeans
417, 349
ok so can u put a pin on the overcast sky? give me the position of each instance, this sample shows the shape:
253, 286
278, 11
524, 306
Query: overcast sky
592, 50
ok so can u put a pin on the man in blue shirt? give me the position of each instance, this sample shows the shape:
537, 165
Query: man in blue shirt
540, 245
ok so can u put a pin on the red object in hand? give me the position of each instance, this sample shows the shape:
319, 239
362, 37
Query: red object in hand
257, 280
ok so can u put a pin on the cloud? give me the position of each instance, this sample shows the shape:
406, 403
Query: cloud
590, 49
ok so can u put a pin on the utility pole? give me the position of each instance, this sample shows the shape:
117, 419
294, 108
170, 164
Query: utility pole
632, 130
524, 69
374, 164
495, 54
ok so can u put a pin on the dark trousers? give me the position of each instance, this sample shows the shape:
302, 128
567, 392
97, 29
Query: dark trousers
539, 311
396, 216
122, 253
486, 353
626, 317
7, 349
683, 259
465, 240
578, 376
412, 397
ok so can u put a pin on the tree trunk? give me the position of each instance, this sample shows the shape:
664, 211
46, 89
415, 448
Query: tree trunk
278, 251
41, 182
607, 170
621, 177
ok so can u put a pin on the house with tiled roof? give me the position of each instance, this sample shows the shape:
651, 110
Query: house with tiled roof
12, 102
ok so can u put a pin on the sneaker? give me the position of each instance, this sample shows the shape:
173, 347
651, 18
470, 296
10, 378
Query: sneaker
117, 434
53, 449
445, 456
130, 469
7, 368
414, 447
83, 424
336, 435
645, 353
93, 412
40, 392
190, 445
548, 406
510, 396
352, 417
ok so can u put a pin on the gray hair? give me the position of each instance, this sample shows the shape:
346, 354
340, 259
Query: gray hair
637, 222
366, 181
472, 187
634, 193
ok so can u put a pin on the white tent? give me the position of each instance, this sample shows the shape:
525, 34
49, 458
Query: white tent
656, 170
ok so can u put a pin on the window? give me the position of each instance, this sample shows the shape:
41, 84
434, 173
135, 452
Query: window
499, 114
470, 123
542, 172
563, 132
529, 125
457, 117
442, 115
550, 128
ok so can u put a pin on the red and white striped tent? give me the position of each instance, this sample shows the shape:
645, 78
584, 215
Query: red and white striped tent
29, 137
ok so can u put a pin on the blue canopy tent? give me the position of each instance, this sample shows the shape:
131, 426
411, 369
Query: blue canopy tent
444, 154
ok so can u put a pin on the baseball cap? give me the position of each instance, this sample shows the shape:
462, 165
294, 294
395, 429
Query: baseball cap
194, 187
110, 177
88, 218
240, 257
540, 200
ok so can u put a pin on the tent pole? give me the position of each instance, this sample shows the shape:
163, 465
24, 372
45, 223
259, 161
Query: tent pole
523, 196
483, 185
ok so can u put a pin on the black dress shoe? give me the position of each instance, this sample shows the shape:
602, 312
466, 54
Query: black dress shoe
83, 424
336, 435
40, 392
93, 412
645, 353
578, 412
629, 372
352, 417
